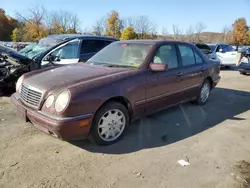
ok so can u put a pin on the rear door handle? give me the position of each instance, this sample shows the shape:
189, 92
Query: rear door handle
203, 69
179, 74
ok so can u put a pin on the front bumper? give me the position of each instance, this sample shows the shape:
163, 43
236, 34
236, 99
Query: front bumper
66, 128
244, 67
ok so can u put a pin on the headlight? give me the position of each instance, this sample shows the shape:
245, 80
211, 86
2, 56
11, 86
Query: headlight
49, 101
18, 84
62, 101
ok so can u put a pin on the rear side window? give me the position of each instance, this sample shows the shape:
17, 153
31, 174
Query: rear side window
187, 55
93, 46
198, 58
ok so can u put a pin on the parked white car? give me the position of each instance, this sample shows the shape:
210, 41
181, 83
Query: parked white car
224, 52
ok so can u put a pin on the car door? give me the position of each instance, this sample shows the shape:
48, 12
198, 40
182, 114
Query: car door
163, 88
65, 54
192, 72
227, 55
90, 47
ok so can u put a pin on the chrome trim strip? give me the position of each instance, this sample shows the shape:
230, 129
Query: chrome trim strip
140, 102
84, 116
171, 93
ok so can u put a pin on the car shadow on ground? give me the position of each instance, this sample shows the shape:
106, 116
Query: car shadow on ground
6, 92
177, 123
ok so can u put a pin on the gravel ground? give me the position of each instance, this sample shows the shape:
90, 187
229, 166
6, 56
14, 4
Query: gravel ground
214, 139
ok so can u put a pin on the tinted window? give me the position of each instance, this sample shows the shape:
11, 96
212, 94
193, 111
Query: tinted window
166, 54
227, 48
93, 46
187, 55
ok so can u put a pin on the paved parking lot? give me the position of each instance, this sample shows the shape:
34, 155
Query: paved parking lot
214, 139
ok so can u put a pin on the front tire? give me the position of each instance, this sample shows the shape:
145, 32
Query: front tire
204, 93
109, 124
243, 73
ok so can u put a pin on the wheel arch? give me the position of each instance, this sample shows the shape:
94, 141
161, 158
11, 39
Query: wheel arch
120, 99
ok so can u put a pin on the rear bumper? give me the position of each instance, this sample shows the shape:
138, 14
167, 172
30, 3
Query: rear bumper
66, 128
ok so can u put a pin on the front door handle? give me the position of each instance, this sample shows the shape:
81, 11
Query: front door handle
203, 69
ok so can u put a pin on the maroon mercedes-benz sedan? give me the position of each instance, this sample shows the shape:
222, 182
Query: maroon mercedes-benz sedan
125, 80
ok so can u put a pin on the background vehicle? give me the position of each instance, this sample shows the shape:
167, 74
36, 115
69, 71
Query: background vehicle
224, 52
52, 50
125, 80
244, 66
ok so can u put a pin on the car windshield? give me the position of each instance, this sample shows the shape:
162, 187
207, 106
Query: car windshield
204, 48
121, 55
39, 47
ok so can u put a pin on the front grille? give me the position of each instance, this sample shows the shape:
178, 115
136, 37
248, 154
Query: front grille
30, 96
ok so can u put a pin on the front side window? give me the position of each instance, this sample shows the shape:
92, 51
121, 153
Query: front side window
187, 55
69, 51
227, 48
166, 54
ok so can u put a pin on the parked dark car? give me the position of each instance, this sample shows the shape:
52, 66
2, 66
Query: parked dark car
52, 50
244, 66
124, 81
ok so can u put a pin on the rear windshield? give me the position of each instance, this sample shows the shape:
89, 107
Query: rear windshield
124, 54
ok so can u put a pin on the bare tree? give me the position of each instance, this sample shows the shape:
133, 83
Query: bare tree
177, 31
227, 34
99, 28
36, 17
65, 22
128, 22
144, 26
190, 33
164, 32
199, 28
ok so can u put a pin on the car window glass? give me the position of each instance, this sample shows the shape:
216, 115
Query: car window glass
187, 55
69, 51
198, 58
93, 46
166, 54
228, 48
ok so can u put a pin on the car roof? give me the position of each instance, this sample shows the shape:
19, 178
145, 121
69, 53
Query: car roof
214, 44
81, 36
152, 41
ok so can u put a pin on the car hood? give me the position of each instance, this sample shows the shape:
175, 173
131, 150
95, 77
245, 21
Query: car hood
13, 57
72, 75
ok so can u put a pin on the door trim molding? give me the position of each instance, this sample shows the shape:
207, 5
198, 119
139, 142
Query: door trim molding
165, 95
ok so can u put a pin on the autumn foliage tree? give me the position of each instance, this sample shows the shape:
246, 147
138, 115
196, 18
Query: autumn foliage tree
128, 34
240, 31
114, 25
7, 25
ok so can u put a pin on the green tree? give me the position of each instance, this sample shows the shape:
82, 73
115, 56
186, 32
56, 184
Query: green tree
240, 31
114, 25
128, 34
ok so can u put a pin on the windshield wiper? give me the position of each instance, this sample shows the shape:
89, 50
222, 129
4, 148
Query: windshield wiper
117, 65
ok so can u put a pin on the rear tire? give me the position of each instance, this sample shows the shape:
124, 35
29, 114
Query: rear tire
204, 93
109, 124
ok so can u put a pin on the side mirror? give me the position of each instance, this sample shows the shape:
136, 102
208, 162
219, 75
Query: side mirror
158, 67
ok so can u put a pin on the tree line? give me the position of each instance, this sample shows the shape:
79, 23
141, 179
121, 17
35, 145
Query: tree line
38, 23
